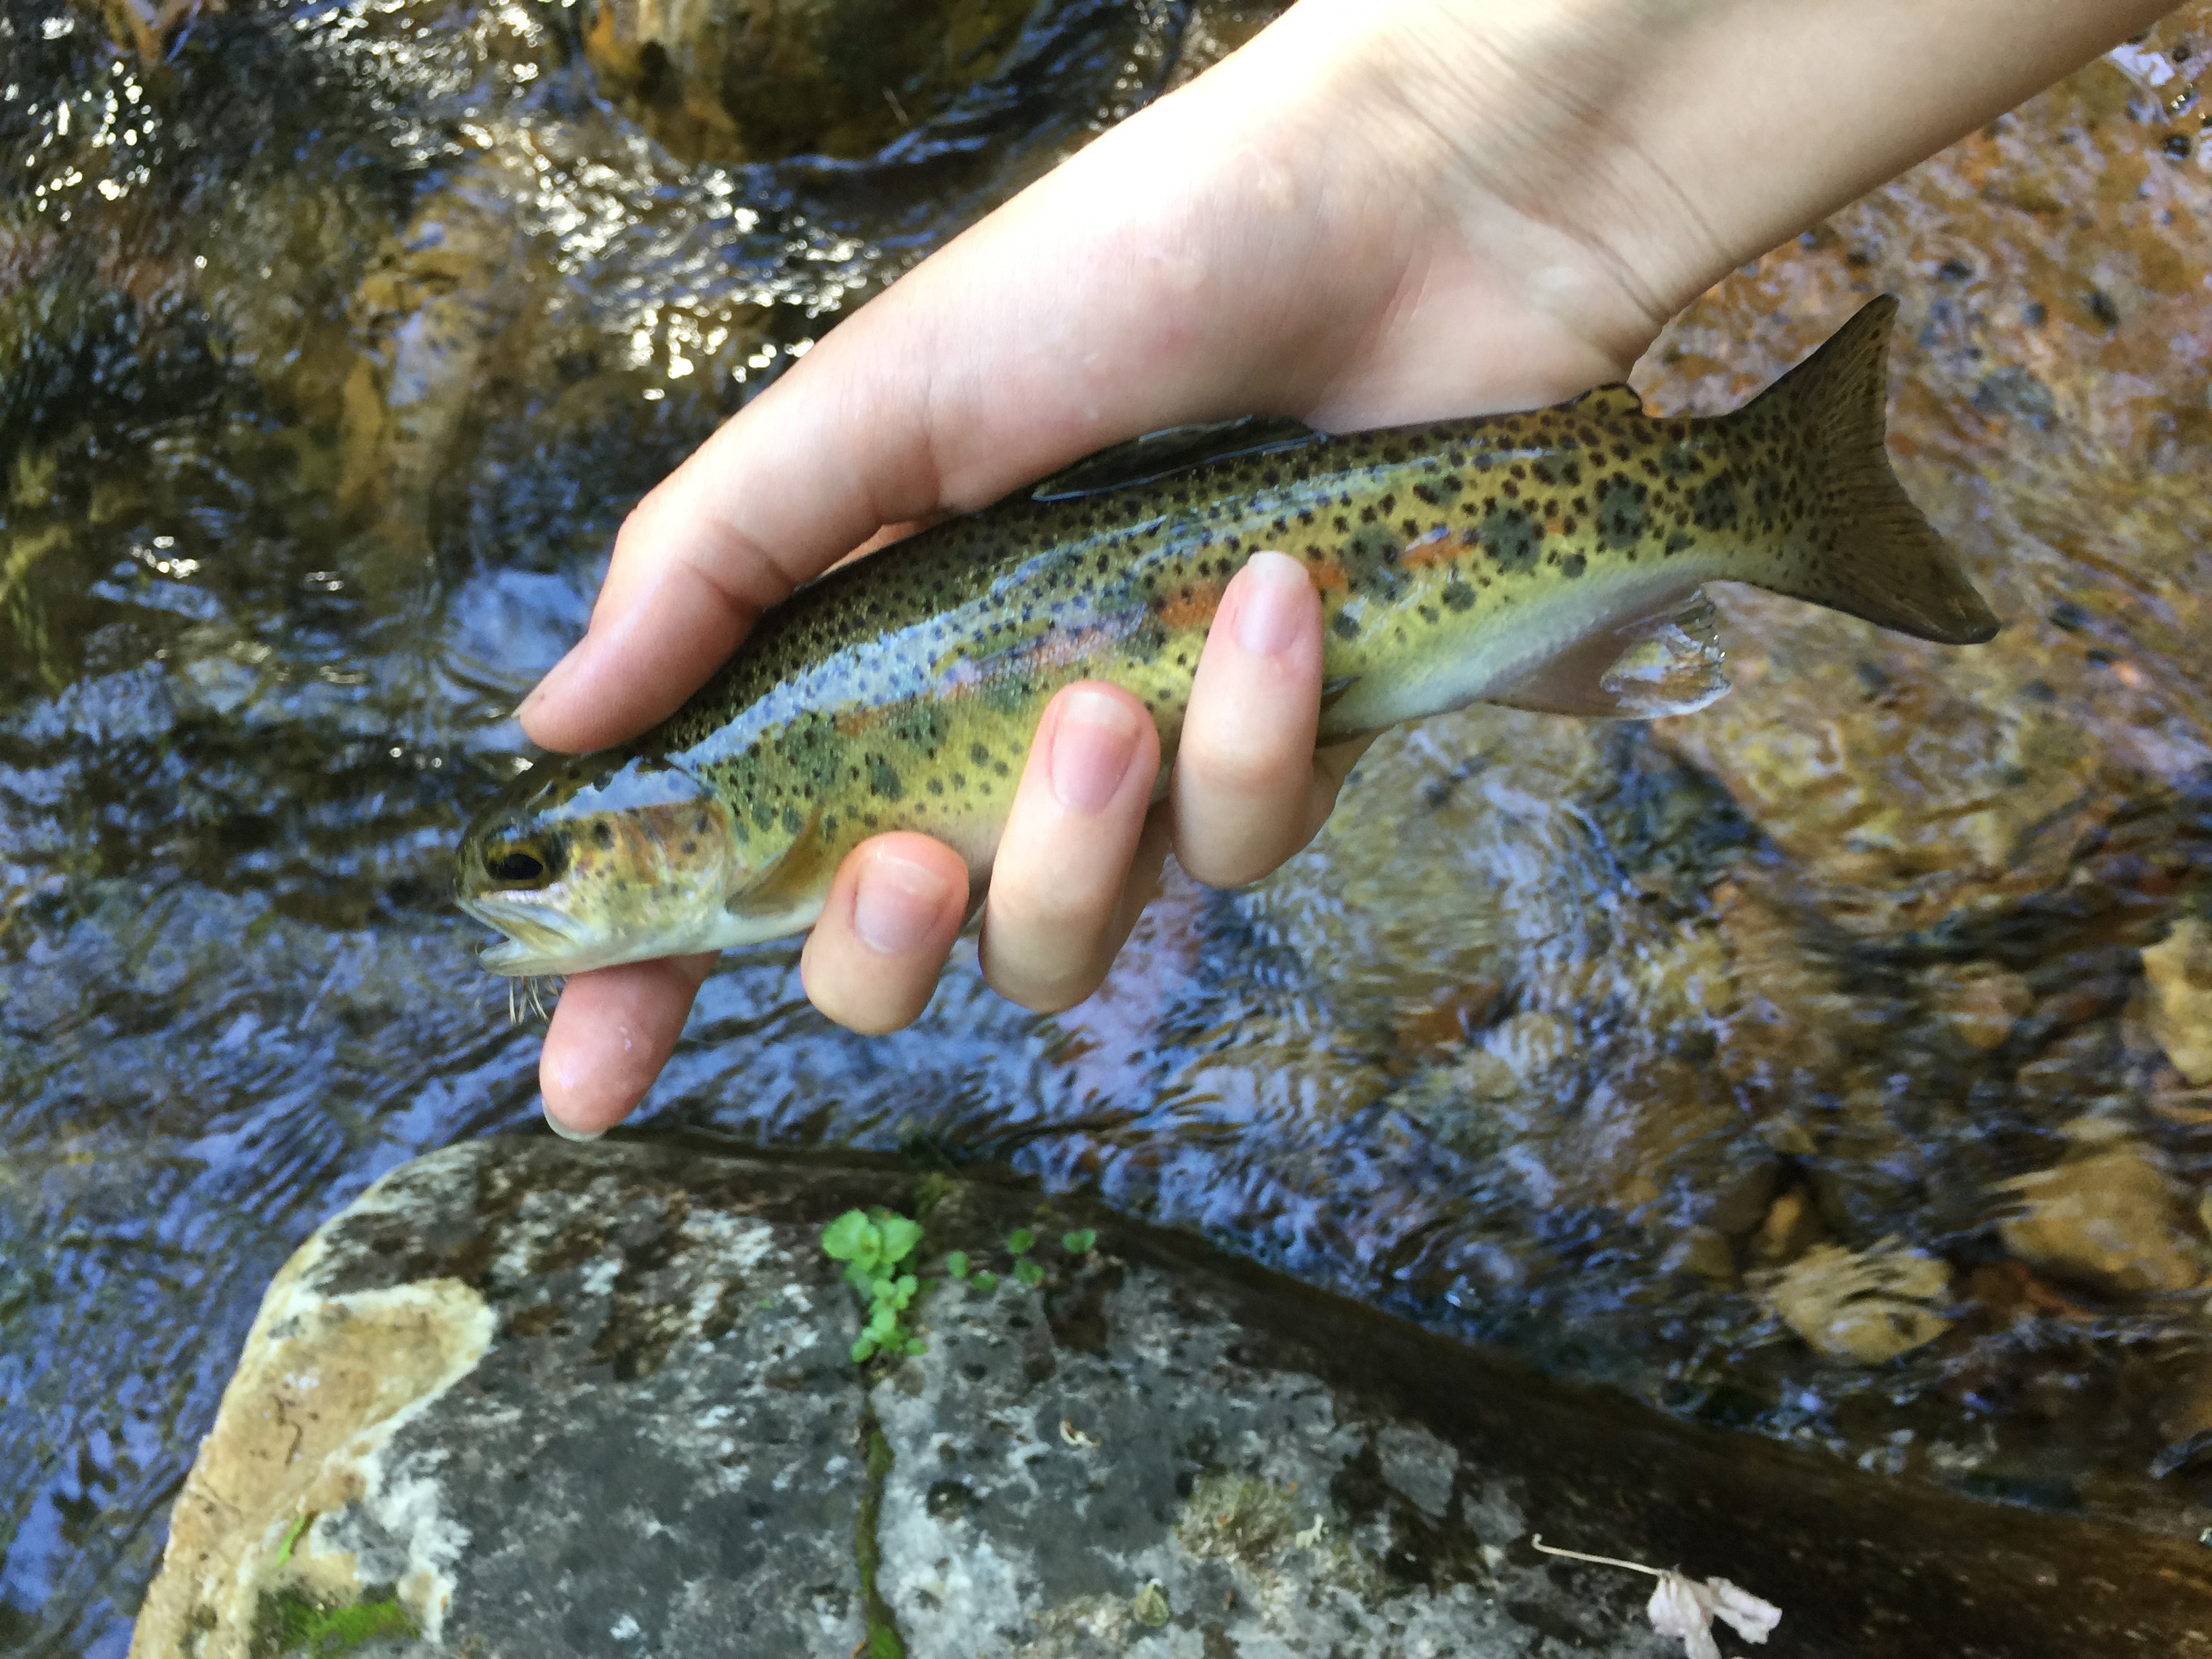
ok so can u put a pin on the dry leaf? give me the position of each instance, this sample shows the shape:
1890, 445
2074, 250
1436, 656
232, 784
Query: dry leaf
1685, 1607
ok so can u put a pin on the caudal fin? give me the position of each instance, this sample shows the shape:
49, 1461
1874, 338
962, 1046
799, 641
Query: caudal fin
1864, 547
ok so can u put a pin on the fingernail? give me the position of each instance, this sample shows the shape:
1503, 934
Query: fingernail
551, 678
537, 692
1271, 603
568, 1134
1090, 750
898, 905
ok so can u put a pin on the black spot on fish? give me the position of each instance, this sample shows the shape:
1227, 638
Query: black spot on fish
1458, 595
793, 824
1573, 565
883, 779
922, 723
1514, 541
1346, 625
1371, 561
1620, 515
1713, 503
603, 836
1009, 693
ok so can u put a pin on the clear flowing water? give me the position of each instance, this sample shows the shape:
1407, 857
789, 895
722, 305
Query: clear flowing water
333, 345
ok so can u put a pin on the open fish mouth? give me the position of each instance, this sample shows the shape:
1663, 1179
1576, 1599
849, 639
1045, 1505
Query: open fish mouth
538, 939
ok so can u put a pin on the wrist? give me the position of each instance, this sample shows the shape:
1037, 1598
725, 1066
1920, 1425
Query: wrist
1630, 152
1498, 122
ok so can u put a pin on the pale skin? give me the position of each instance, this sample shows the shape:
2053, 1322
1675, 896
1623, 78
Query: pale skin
1378, 211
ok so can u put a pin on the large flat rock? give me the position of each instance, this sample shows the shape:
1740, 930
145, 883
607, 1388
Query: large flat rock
529, 1399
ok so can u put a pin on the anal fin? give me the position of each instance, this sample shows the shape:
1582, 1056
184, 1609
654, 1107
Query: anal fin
1668, 663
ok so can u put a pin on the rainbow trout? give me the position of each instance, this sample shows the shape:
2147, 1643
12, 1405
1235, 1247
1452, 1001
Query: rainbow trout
1551, 559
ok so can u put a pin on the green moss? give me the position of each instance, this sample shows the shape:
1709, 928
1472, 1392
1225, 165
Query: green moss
288, 1622
929, 1190
883, 1641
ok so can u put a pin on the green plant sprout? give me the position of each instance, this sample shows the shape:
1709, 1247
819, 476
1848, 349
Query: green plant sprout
1019, 1244
292, 1537
874, 1246
955, 1265
1081, 1242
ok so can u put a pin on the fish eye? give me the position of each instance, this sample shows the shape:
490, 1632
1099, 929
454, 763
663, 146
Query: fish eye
515, 865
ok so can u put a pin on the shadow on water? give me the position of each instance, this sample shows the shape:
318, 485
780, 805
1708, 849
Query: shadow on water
1793, 1067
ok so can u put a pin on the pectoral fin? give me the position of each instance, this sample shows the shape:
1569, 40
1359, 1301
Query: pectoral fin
796, 878
1671, 664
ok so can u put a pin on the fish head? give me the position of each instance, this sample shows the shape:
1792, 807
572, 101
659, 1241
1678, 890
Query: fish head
595, 860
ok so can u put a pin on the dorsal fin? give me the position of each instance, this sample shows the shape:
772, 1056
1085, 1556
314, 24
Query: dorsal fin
1619, 398
1174, 449
1670, 664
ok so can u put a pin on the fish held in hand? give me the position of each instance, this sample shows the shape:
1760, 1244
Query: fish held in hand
1554, 560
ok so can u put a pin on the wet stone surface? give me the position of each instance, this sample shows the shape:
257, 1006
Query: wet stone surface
526, 1398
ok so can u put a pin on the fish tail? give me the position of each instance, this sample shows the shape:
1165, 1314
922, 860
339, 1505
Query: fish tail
1863, 548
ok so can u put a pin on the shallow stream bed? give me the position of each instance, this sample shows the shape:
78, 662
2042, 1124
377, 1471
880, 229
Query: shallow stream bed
1830, 1066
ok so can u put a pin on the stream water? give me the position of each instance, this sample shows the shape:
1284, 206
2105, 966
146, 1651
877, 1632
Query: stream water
1797, 1067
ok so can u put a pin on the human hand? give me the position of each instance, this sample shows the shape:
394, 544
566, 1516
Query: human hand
1377, 212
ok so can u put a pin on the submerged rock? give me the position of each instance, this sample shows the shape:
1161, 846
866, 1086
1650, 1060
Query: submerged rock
2180, 971
1865, 1307
749, 80
525, 1398
2105, 1216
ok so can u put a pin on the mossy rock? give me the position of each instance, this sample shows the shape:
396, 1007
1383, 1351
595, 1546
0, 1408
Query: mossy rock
748, 80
